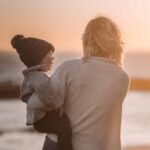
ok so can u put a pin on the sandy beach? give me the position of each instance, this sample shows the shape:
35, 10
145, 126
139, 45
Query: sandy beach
144, 147
135, 135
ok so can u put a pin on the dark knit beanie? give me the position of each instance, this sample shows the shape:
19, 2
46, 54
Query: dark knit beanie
31, 50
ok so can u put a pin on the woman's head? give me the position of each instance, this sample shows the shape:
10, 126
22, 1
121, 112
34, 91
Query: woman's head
102, 38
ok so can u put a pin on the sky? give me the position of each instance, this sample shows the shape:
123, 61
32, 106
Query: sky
62, 22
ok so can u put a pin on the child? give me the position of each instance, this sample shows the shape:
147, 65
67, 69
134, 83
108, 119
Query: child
36, 54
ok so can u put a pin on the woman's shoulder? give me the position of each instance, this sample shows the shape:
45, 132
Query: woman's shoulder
67, 67
124, 77
71, 61
69, 64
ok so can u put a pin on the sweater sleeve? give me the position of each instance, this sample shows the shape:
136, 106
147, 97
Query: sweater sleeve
26, 92
52, 91
30, 98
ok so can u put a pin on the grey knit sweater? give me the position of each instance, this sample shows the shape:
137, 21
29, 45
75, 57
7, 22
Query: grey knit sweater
92, 93
35, 107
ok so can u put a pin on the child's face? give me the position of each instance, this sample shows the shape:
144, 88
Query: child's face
48, 60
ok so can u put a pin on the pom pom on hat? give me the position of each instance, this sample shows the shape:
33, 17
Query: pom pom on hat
16, 40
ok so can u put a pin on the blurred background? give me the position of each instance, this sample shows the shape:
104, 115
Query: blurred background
62, 23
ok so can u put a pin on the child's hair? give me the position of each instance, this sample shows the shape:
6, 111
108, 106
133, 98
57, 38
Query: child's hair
31, 50
102, 38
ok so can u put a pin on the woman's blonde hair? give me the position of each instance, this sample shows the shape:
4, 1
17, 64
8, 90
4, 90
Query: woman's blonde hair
102, 38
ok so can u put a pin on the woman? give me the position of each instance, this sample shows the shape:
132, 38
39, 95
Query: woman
91, 89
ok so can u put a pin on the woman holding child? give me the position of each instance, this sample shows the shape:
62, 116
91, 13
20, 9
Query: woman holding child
89, 92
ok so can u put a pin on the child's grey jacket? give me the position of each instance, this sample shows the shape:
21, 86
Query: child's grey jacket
36, 108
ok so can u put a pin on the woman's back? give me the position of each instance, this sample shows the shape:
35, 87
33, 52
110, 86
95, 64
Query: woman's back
96, 89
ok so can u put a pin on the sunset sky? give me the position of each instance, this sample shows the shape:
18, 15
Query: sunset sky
62, 22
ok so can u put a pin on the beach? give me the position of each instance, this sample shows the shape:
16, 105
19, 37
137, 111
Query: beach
135, 130
144, 147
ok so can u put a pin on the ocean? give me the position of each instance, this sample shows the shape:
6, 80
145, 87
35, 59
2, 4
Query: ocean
14, 135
